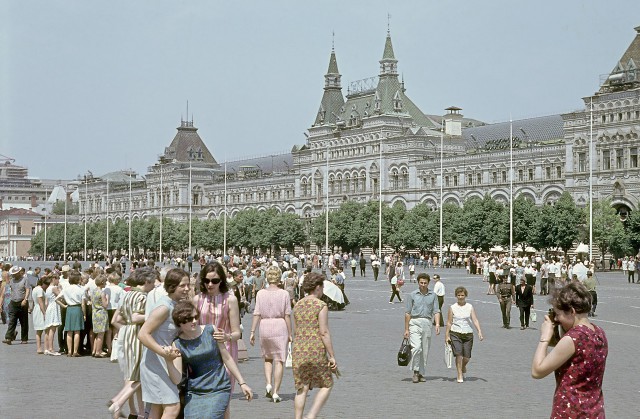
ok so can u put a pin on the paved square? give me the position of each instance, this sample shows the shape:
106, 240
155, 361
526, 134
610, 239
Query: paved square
366, 337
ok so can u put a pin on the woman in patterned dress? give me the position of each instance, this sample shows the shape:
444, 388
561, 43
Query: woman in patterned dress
273, 314
52, 317
578, 359
218, 306
313, 356
99, 314
128, 320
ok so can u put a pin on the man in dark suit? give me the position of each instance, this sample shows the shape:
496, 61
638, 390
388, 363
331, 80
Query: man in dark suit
524, 301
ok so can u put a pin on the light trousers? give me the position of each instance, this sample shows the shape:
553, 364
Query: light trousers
420, 339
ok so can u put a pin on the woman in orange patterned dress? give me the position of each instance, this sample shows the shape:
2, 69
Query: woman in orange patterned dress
313, 356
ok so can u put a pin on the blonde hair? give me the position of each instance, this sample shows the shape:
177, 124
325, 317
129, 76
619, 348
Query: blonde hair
273, 274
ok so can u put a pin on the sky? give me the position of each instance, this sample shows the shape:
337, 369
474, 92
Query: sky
102, 86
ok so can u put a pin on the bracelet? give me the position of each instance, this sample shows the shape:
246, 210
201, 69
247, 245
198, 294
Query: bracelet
242, 384
544, 340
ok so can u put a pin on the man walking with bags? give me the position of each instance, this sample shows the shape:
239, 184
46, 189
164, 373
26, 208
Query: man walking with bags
422, 308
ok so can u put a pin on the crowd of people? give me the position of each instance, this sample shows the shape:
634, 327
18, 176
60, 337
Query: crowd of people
177, 336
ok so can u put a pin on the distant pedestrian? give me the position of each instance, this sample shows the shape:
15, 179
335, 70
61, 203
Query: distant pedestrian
440, 291
506, 297
363, 264
375, 266
524, 302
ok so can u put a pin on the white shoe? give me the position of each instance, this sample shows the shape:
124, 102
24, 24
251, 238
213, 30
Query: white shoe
268, 392
55, 354
276, 398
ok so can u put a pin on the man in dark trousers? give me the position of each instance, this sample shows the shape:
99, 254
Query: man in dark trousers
524, 301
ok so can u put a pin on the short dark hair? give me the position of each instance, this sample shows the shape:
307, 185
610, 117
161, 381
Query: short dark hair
573, 295
143, 275
74, 277
46, 280
222, 274
182, 311
424, 276
461, 289
173, 279
311, 281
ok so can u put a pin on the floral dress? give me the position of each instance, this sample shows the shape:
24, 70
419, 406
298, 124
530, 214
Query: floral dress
310, 362
579, 381
99, 312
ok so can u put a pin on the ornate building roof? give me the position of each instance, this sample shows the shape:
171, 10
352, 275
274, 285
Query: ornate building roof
525, 131
188, 146
626, 73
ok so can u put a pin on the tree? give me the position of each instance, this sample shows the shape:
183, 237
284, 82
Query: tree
286, 231
608, 231
525, 214
563, 220
419, 228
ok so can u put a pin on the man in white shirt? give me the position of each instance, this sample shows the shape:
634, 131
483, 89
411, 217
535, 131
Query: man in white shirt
439, 291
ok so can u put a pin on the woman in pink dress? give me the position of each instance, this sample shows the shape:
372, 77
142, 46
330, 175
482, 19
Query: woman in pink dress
578, 358
273, 314
218, 306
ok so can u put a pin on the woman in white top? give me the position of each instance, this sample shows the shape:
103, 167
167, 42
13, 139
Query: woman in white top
459, 332
75, 302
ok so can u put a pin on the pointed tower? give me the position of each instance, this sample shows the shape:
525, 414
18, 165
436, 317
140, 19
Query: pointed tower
188, 146
389, 97
388, 64
626, 74
332, 99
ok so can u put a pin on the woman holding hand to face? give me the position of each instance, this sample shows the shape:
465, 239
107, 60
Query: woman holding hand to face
157, 334
578, 358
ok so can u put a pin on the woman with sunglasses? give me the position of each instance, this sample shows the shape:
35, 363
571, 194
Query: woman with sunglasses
219, 307
206, 361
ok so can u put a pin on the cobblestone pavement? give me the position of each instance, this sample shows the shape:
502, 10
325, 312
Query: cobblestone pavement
366, 337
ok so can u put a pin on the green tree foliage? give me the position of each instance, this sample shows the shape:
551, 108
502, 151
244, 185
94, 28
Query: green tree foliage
633, 231
419, 228
525, 218
561, 223
58, 208
608, 231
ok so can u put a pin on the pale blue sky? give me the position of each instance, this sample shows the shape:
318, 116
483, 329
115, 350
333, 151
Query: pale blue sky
101, 86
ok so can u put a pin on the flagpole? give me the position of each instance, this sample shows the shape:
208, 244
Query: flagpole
441, 185
224, 221
510, 187
326, 215
591, 181
380, 204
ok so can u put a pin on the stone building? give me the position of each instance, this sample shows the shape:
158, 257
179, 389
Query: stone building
376, 140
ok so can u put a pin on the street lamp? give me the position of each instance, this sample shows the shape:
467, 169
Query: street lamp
64, 245
130, 200
45, 228
190, 198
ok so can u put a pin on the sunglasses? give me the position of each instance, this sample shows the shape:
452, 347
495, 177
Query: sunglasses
190, 319
213, 281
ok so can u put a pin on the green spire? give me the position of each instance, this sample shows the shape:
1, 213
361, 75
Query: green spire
333, 64
388, 49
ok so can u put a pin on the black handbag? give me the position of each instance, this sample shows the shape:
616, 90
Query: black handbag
404, 354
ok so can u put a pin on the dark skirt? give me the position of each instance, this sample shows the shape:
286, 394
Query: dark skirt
73, 319
531, 279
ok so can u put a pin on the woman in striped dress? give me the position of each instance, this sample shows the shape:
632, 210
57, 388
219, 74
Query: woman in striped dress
128, 320
218, 306
273, 315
